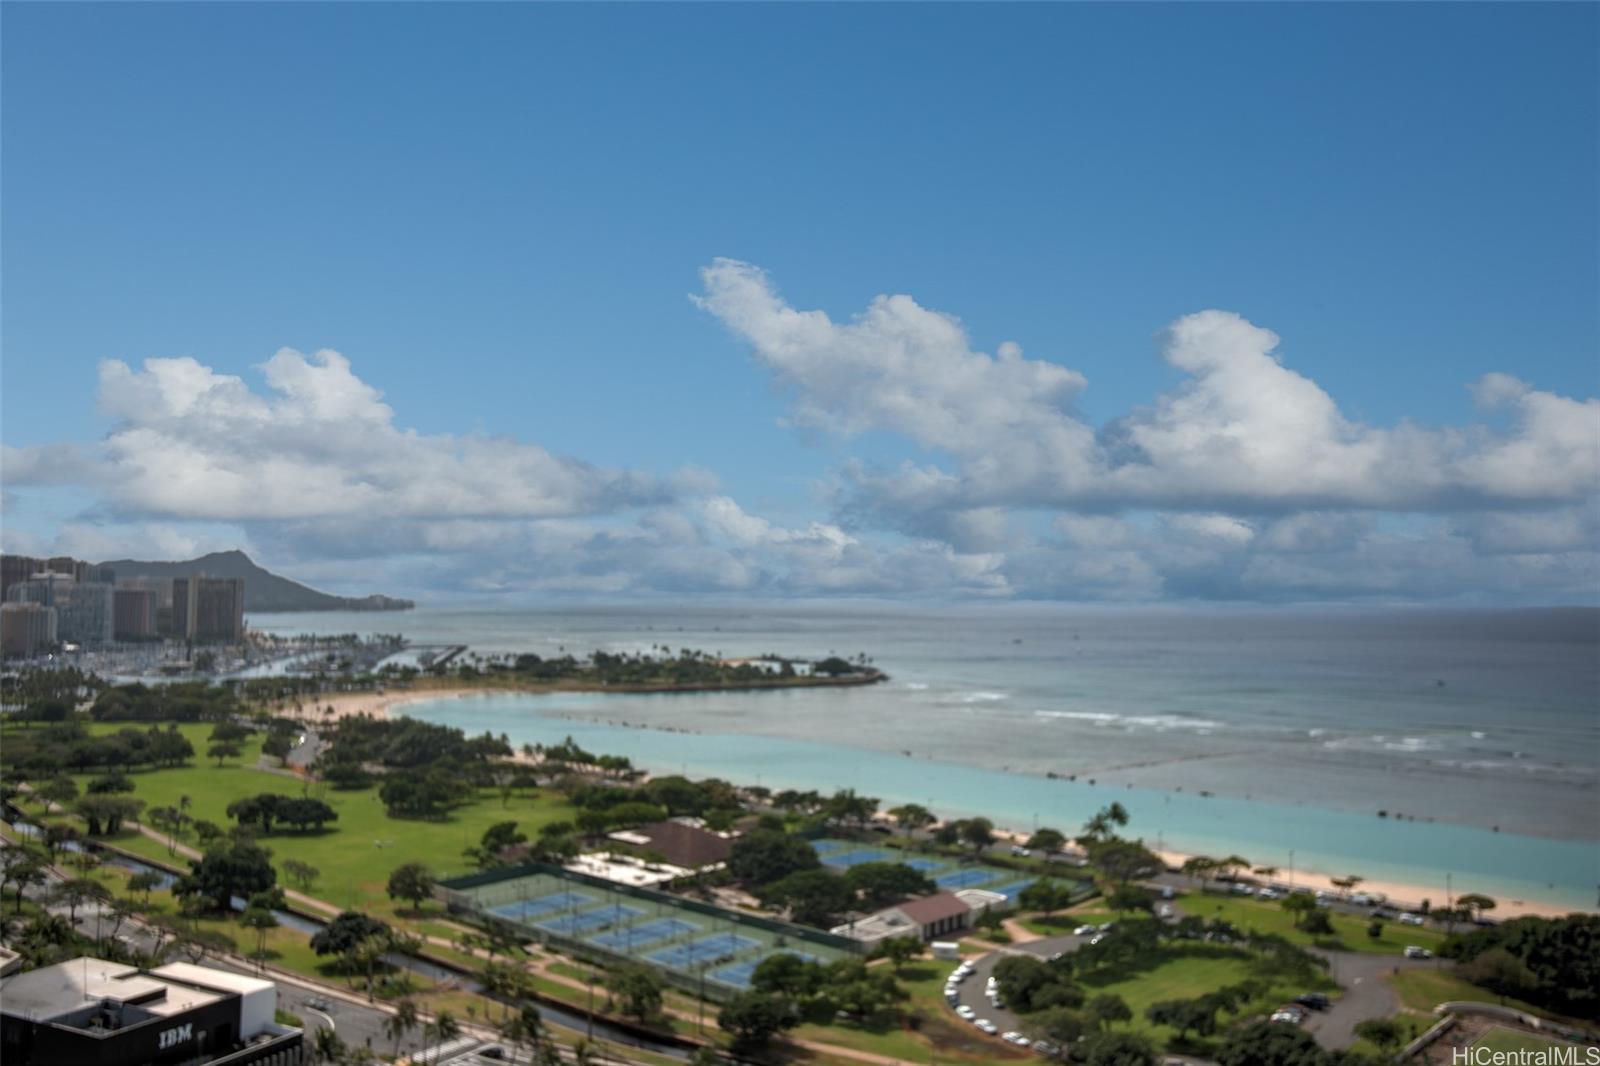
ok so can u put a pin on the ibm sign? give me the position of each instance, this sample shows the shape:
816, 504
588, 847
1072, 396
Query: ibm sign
180, 1034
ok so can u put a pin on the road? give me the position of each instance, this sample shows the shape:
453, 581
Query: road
1366, 994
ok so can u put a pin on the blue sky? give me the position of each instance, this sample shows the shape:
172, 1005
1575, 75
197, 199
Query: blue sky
498, 213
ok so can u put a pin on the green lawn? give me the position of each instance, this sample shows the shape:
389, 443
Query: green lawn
1513, 1040
1093, 912
1350, 933
356, 854
1425, 989
939, 1031
1186, 977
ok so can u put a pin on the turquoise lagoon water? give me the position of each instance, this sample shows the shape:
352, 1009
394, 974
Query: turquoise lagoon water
1503, 865
1302, 724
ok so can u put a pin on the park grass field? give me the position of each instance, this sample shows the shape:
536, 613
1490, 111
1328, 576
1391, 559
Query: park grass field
940, 1034
1500, 1039
355, 854
1350, 933
1423, 989
1187, 976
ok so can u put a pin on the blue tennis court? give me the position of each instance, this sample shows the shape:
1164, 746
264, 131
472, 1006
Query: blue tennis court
587, 921
823, 847
965, 878
522, 909
924, 865
715, 946
855, 858
625, 940
738, 974
1013, 890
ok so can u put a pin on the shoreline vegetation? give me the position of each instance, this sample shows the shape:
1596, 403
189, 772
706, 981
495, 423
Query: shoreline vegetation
383, 704
127, 768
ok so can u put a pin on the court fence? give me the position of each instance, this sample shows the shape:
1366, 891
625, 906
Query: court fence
715, 965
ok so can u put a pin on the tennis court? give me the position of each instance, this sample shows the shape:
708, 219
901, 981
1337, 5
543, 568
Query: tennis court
681, 937
523, 909
738, 974
626, 939
845, 860
972, 875
925, 865
1013, 890
715, 946
588, 921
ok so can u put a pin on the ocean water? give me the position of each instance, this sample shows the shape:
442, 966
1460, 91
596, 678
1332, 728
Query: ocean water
1477, 733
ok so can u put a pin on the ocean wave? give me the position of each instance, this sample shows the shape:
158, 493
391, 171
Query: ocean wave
1158, 722
915, 686
985, 697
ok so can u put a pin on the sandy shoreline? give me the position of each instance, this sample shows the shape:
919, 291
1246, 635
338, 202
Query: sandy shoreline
379, 704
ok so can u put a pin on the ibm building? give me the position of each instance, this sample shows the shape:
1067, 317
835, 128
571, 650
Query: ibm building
90, 1012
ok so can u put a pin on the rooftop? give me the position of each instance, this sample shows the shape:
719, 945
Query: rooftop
70, 988
934, 908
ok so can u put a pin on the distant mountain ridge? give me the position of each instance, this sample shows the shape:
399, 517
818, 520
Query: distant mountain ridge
264, 591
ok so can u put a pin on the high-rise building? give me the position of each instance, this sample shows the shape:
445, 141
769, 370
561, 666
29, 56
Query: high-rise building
15, 569
26, 629
76, 569
84, 613
88, 616
134, 610
43, 587
208, 608
89, 1010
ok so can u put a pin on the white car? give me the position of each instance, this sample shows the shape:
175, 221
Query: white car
987, 1026
1020, 851
1268, 893
1084, 930
1414, 952
1014, 1037
1165, 911
1411, 919
1242, 889
966, 1012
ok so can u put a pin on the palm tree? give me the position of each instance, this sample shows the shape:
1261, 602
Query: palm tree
525, 1027
445, 1028
327, 1047
401, 1022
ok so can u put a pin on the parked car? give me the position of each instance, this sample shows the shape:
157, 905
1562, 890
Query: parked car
1019, 850
1044, 1047
1269, 893
1290, 1014
1014, 1037
1167, 892
1414, 952
966, 1012
1165, 911
987, 1026
1242, 889
1409, 918
1314, 1000
952, 999
1084, 930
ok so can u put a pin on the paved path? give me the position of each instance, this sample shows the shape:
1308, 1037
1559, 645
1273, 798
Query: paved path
1366, 994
